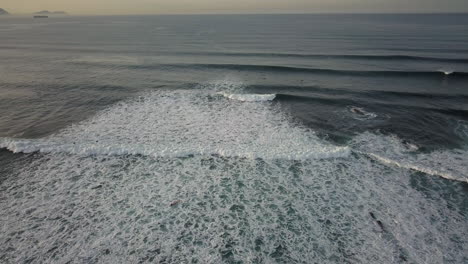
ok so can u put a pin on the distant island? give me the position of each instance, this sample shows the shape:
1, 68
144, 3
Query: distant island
3, 12
47, 12
40, 14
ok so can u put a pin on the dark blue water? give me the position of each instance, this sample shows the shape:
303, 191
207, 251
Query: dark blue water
234, 139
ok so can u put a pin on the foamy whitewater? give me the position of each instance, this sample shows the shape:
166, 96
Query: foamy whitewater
250, 97
178, 176
183, 123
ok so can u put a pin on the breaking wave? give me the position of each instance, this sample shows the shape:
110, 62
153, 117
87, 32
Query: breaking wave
179, 176
184, 123
250, 97
447, 72
391, 150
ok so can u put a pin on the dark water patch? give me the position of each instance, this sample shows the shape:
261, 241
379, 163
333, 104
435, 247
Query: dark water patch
41, 109
398, 94
329, 56
448, 104
432, 50
429, 127
323, 100
454, 112
363, 101
304, 89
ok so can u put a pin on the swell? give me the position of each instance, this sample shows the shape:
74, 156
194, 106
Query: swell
335, 101
363, 93
288, 69
254, 54
331, 56
455, 51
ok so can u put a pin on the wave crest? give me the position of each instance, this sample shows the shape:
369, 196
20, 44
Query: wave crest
90, 149
250, 97
390, 150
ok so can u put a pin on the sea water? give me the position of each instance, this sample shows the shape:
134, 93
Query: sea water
234, 139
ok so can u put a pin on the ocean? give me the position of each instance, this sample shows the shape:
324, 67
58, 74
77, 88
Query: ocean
234, 139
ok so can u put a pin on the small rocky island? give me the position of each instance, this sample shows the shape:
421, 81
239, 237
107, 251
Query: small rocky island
47, 12
3, 12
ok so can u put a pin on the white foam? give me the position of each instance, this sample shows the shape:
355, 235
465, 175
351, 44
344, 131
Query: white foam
449, 164
111, 208
67, 208
446, 72
426, 170
91, 148
250, 97
183, 123
361, 114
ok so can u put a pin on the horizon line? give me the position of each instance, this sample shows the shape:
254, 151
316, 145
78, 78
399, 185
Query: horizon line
244, 13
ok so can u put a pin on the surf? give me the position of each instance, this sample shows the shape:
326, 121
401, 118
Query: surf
189, 174
184, 123
249, 97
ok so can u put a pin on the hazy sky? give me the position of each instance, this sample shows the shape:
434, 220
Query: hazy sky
232, 6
